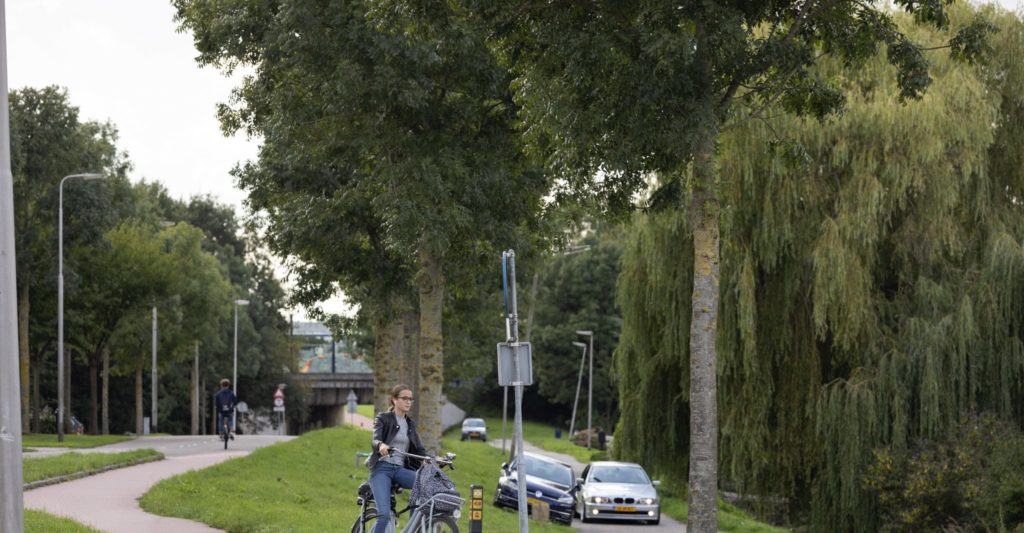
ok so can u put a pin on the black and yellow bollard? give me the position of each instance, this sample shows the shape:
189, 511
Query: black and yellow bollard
476, 509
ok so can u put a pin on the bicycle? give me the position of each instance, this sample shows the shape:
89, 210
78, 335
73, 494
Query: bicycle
423, 519
225, 433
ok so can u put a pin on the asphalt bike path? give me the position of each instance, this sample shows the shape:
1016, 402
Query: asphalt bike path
667, 522
109, 501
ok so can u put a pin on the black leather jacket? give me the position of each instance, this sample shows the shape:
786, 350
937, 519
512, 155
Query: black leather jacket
385, 427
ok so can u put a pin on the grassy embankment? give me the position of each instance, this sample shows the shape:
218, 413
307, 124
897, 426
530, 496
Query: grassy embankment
43, 522
46, 440
309, 484
65, 464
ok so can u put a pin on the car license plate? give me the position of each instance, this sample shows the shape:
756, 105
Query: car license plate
474, 434
533, 501
624, 509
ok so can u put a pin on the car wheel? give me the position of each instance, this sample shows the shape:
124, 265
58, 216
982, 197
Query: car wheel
463, 438
655, 521
497, 502
483, 439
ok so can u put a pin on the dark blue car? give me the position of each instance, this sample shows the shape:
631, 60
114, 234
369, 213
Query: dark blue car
547, 481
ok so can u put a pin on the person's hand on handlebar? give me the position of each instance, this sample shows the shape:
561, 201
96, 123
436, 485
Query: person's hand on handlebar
383, 449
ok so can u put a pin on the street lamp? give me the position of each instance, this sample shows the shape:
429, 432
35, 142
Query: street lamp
590, 384
60, 298
579, 381
234, 376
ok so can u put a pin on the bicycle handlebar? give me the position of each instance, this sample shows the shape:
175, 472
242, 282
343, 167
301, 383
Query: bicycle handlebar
447, 460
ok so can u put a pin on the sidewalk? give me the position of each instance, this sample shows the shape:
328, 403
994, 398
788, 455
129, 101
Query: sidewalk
358, 420
109, 501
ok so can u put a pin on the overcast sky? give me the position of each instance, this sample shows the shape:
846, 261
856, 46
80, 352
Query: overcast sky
124, 61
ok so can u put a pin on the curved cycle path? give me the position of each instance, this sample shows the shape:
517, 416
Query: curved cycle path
109, 501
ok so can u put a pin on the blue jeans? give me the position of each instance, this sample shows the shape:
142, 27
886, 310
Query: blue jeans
382, 476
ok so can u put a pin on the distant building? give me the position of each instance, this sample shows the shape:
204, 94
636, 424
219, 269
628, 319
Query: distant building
321, 353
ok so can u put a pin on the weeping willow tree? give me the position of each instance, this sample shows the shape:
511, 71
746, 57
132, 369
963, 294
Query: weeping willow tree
871, 285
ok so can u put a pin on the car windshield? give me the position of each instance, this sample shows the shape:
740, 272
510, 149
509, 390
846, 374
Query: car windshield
473, 423
553, 472
619, 474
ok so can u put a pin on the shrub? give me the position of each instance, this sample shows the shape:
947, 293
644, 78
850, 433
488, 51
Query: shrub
971, 479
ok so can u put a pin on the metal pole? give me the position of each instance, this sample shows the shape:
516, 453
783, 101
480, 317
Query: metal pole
60, 309
518, 424
504, 416
60, 282
153, 380
590, 392
195, 391
234, 373
12, 516
579, 382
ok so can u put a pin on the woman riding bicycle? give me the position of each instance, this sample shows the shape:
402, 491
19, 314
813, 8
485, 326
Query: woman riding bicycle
225, 401
393, 429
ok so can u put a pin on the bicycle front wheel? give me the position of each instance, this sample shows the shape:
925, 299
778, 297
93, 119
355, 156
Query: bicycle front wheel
364, 523
444, 524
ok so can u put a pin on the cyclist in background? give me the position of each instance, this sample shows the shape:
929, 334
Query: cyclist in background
393, 429
225, 402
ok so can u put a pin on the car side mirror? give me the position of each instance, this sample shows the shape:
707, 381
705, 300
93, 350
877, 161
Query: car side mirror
504, 466
656, 483
579, 482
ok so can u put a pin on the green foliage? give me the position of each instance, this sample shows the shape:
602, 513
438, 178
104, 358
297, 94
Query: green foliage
39, 468
869, 284
969, 479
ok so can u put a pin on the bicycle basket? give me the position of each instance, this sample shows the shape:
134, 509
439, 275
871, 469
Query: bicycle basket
433, 488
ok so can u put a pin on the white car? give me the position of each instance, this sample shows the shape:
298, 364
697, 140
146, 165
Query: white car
611, 490
474, 428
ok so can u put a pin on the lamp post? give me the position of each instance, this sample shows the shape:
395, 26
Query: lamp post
12, 515
153, 379
234, 376
579, 381
590, 384
60, 298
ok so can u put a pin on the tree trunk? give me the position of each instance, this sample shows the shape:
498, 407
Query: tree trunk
105, 394
410, 354
138, 397
94, 425
23, 354
381, 362
703, 479
36, 397
431, 360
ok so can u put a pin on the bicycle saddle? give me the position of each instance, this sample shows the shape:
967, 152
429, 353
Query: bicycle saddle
366, 492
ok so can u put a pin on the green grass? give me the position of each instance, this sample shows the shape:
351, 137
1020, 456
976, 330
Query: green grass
542, 436
309, 484
39, 468
45, 440
43, 522
366, 410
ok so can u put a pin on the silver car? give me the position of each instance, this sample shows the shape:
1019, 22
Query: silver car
474, 428
611, 490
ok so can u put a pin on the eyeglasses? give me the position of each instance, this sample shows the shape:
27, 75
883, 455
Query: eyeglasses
406, 398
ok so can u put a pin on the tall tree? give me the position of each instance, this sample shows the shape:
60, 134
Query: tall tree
858, 277
48, 142
411, 108
613, 91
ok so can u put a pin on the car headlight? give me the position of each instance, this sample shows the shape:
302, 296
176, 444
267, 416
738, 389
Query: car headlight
565, 499
648, 501
599, 499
